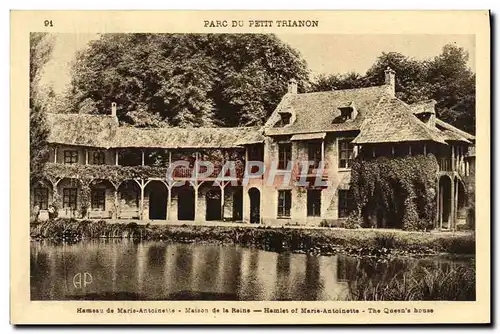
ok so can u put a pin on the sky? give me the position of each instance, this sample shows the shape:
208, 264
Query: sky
324, 53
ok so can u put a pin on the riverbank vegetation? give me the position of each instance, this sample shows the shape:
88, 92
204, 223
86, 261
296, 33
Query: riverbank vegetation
420, 283
359, 242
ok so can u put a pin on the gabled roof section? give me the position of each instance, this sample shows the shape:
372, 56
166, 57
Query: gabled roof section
319, 112
102, 131
393, 121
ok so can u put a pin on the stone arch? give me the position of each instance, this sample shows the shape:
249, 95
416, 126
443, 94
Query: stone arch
156, 199
129, 194
102, 202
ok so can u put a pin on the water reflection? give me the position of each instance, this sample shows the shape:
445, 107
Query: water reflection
156, 270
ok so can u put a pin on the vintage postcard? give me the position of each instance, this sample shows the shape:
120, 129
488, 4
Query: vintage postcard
250, 167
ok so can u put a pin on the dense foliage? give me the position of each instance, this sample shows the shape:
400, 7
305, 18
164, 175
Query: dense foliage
394, 192
115, 174
446, 78
185, 79
40, 51
420, 283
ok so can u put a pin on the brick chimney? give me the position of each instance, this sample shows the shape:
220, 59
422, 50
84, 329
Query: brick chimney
292, 86
390, 79
113, 109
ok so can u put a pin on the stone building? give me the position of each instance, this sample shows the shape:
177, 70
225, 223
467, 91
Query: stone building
102, 170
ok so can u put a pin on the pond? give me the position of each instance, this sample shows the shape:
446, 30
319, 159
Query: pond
126, 270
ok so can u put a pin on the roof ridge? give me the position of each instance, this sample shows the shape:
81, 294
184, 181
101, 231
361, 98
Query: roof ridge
343, 90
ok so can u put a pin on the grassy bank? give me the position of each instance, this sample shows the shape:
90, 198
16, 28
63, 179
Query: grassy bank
362, 242
420, 283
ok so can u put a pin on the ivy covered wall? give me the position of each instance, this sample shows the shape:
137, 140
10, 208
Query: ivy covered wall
394, 192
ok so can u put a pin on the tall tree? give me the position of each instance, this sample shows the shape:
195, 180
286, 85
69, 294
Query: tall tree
185, 79
41, 45
410, 75
453, 85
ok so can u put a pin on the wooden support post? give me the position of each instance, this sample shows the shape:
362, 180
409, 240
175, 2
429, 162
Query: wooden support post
222, 186
55, 154
357, 148
117, 204
195, 172
86, 156
169, 201
438, 209
462, 155
116, 157
455, 205
392, 150
425, 149
323, 151
453, 158
451, 220
195, 186
409, 150
142, 157
142, 185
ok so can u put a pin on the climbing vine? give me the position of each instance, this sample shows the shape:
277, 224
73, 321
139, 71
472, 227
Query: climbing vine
115, 174
394, 192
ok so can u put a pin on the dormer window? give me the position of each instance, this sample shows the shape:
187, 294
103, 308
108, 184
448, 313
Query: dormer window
427, 118
424, 117
286, 118
347, 112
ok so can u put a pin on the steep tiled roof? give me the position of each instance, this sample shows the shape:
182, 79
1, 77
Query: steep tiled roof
453, 131
319, 112
103, 131
381, 118
393, 121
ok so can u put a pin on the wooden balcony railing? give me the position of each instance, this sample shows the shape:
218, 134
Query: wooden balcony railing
189, 172
445, 164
